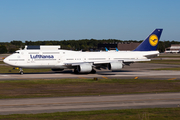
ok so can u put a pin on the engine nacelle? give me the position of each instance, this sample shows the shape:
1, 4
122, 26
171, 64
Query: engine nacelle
84, 68
115, 66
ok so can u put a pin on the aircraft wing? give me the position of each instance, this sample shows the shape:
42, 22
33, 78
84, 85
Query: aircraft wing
94, 63
123, 60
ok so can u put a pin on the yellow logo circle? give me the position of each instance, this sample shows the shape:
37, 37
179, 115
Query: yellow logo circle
153, 40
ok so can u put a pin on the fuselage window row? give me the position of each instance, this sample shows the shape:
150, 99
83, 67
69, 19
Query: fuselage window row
16, 59
97, 59
51, 53
33, 53
43, 59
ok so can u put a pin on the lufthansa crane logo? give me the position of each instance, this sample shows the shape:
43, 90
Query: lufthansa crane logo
153, 40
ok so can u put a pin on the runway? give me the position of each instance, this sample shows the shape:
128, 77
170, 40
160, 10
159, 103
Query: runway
140, 70
62, 104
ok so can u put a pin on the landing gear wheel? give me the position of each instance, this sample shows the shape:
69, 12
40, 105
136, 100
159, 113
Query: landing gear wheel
21, 71
93, 71
76, 71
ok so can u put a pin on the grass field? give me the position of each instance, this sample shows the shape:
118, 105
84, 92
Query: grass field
128, 114
1, 62
82, 87
9, 69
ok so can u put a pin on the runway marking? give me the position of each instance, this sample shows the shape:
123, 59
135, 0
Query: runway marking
104, 77
82, 77
172, 79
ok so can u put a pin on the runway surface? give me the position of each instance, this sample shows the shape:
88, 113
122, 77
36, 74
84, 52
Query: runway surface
62, 104
140, 70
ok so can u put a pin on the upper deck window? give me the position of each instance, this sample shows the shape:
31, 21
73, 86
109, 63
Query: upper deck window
31, 47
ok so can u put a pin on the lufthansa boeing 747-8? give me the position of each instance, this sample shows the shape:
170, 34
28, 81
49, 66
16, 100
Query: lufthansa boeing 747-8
83, 62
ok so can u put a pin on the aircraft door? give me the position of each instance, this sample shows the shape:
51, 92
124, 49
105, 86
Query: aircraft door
59, 58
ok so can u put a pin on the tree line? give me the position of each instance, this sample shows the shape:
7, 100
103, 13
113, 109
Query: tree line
84, 44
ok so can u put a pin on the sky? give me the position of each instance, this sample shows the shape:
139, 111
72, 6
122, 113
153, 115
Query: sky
39, 20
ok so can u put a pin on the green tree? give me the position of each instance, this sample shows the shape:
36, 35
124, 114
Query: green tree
17, 43
161, 46
3, 49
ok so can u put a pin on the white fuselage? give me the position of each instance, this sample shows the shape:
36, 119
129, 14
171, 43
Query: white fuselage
61, 58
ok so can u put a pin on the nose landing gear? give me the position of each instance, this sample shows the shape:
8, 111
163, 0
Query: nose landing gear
21, 71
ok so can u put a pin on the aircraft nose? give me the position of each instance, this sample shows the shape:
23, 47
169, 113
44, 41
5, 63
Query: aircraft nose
6, 60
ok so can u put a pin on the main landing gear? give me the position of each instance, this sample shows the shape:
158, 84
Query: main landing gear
21, 71
93, 71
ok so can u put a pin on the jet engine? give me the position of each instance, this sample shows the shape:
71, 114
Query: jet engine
115, 66
84, 68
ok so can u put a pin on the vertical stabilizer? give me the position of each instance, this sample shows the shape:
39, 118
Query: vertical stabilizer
151, 42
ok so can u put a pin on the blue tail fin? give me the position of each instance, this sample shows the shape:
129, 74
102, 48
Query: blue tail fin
117, 49
151, 42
